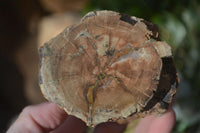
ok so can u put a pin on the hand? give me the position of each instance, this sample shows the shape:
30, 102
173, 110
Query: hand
48, 117
153, 124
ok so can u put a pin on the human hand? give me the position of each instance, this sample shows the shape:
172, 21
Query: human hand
157, 124
48, 117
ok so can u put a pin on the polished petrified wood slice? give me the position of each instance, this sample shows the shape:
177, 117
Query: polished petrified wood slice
108, 67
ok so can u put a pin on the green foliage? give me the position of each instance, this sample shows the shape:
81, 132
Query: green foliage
179, 24
140, 8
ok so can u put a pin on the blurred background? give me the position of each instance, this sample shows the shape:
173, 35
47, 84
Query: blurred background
26, 24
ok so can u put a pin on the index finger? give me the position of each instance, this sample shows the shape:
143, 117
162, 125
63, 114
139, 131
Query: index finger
38, 118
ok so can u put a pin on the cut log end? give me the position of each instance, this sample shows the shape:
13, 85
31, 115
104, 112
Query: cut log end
108, 67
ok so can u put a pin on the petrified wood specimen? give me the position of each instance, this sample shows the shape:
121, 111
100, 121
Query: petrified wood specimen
108, 67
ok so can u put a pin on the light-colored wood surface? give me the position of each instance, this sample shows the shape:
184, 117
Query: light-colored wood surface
107, 67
